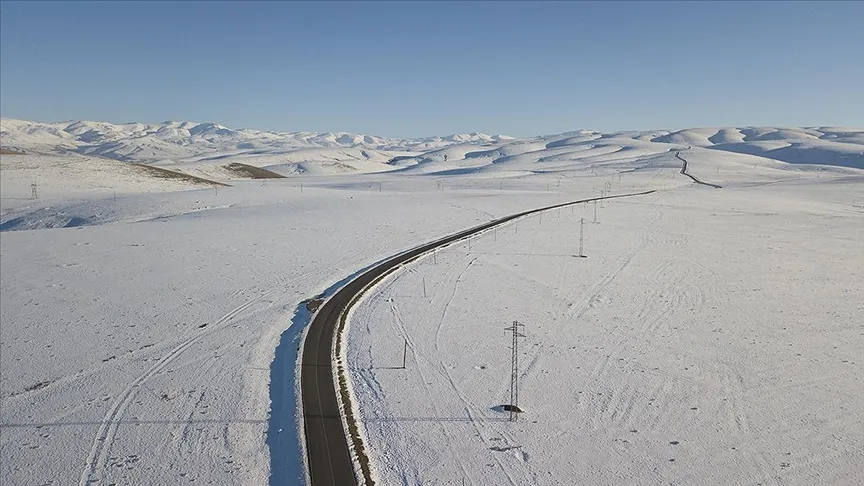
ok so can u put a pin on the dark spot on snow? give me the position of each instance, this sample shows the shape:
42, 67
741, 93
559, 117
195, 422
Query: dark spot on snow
313, 304
75, 222
37, 386
11, 224
503, 449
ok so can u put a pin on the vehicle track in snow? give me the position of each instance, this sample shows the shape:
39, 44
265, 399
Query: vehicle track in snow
99, 450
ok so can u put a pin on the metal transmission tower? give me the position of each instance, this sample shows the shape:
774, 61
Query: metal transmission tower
514, 371
33, 193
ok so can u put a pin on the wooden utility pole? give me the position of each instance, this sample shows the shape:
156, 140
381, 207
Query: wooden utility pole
404, 353
581, 237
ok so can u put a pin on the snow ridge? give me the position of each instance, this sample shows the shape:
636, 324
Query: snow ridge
139, 142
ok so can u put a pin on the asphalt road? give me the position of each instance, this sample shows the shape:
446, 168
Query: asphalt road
329, 458
696, 180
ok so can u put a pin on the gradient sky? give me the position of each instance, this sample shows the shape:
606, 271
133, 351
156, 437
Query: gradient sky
415, 69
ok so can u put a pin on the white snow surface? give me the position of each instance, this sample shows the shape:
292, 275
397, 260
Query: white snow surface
710, 337
138, 345
174, 140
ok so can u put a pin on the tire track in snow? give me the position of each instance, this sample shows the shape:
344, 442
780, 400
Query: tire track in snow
440, 370
423, 379
99, 450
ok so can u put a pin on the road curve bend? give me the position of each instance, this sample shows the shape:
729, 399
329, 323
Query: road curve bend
691, 176
329, 458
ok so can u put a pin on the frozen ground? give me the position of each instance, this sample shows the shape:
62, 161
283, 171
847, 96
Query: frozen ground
136, 348
144, 348
711, 337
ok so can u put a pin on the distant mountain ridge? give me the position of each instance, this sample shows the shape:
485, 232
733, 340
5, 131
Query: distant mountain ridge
142, 142
183, 142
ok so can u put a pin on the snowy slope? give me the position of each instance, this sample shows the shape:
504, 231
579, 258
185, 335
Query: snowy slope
710, 337
178, 140
201, 148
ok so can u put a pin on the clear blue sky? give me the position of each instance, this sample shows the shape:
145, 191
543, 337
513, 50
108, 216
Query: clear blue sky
414, 69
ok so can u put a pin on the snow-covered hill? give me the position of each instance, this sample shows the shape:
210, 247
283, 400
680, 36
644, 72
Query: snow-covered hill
172, 140
197, 146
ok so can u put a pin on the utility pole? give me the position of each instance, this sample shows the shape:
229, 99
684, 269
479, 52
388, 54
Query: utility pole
514, 370
581, 237
595, 210
424, 286
602, 197
301, 188
404, 353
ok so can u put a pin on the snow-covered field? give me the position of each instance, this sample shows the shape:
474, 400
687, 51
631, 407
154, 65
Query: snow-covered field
136, 347
709, 338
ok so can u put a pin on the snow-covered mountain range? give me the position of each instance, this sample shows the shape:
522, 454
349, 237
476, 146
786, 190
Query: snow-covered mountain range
200, 147
175, 140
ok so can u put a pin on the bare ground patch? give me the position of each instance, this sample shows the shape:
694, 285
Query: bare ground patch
252, 172
161, 173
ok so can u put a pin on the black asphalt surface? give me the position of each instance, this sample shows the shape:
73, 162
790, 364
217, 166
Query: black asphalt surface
329, 458
684, 171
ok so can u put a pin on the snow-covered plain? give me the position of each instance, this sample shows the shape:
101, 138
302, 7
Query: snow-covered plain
709, 338
137, 347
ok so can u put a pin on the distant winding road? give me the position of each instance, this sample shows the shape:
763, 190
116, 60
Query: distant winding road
329, 458
684, 171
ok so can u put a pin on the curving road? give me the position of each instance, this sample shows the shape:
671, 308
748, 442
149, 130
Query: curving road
329, 459
691, 176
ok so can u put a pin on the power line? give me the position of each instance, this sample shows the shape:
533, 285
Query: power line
514, 370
